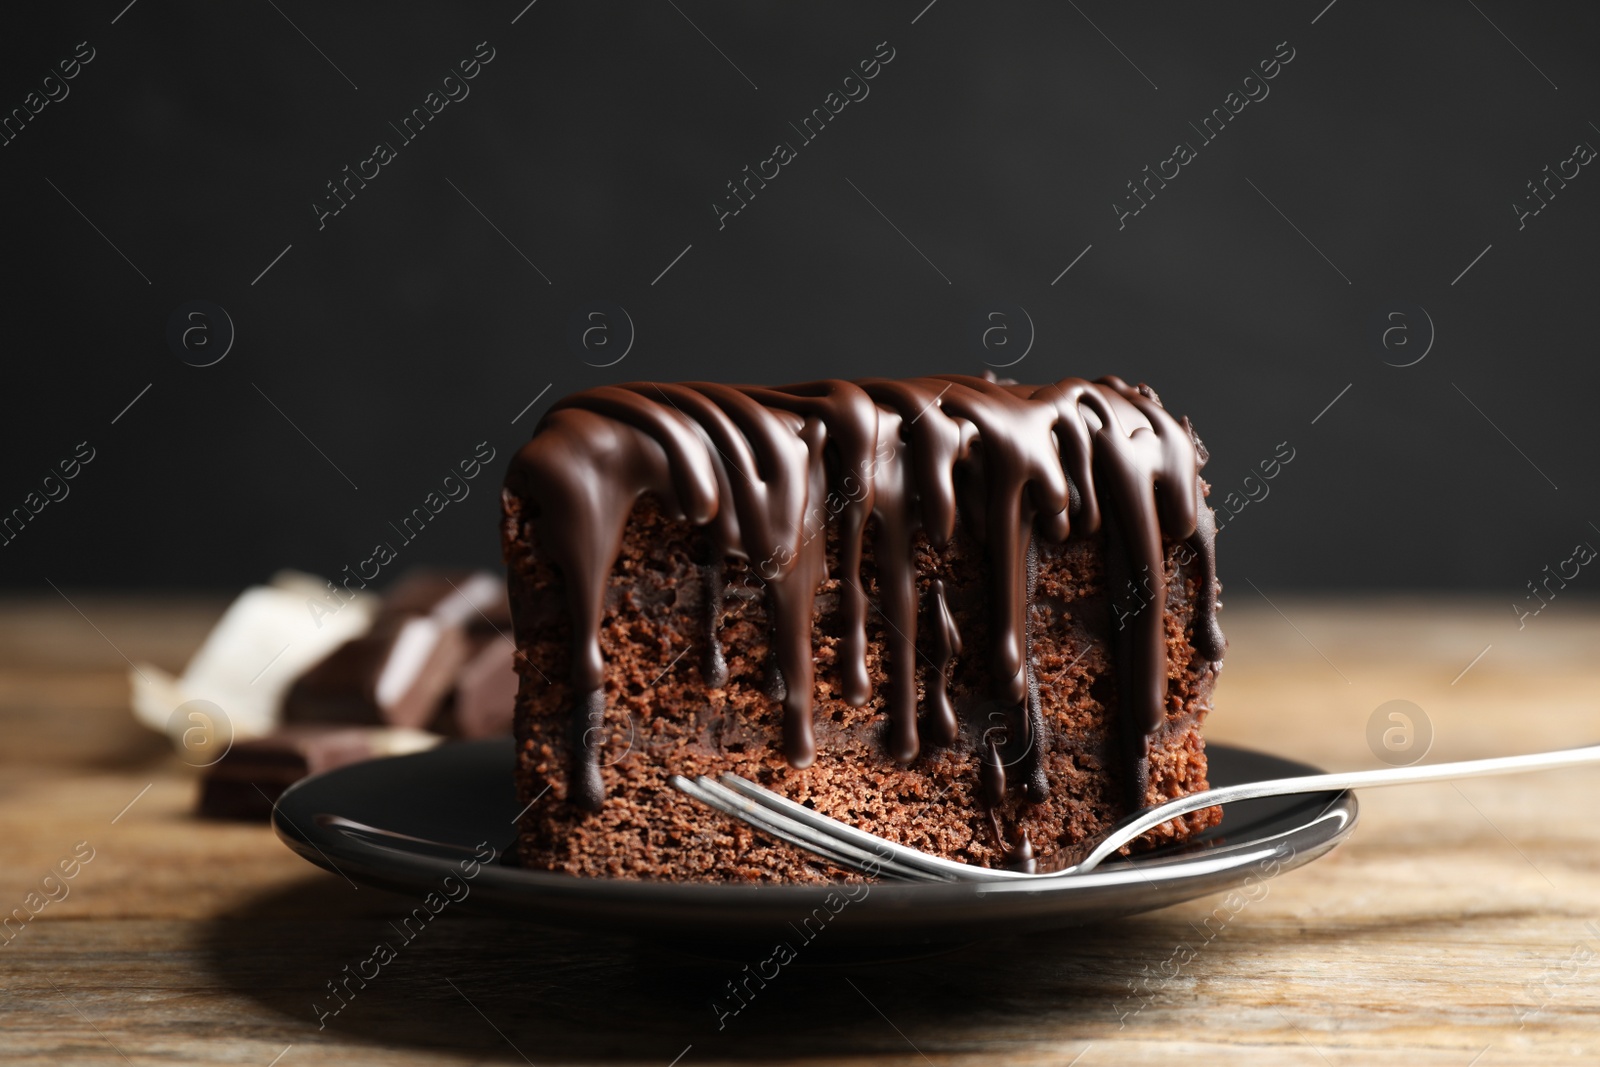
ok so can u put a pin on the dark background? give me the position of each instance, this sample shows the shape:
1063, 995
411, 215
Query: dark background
380, 350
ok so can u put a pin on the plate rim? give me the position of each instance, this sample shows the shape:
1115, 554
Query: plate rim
409, 870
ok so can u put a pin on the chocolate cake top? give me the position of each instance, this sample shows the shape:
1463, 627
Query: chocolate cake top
766, 469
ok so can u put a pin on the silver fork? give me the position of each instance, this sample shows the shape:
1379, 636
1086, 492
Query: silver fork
857, 850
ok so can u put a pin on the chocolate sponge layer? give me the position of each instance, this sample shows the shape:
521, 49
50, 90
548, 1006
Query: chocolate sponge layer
663, 719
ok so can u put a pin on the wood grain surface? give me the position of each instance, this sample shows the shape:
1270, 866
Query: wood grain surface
1460, 926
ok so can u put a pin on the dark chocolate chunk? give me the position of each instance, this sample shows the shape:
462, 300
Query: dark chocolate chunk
249, 778
486, 692
401, 672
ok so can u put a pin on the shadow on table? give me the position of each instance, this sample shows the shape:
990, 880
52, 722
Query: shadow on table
491, 987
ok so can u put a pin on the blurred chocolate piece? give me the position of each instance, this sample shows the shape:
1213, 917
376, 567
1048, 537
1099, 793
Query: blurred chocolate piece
486, 692
268, 637
249, 778
401, 672
492, 619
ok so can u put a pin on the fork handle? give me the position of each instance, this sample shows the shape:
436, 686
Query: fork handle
1148, 819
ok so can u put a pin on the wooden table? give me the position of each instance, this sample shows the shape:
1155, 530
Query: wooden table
1461, 924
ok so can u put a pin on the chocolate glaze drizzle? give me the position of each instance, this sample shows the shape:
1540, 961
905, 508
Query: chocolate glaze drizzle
713, 668
941, 725
1022, 858
765, 471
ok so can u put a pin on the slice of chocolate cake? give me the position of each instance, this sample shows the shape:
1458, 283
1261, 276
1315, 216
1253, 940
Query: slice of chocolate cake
975, 618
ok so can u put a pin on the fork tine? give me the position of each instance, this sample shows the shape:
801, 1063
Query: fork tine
870, 859
719, 797
701, 790
838, 834
851, 858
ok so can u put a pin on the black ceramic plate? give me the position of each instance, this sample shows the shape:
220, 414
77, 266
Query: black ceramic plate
408, 822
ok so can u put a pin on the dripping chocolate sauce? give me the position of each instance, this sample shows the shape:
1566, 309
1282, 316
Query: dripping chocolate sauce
941, 725
713, 667
752, 466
